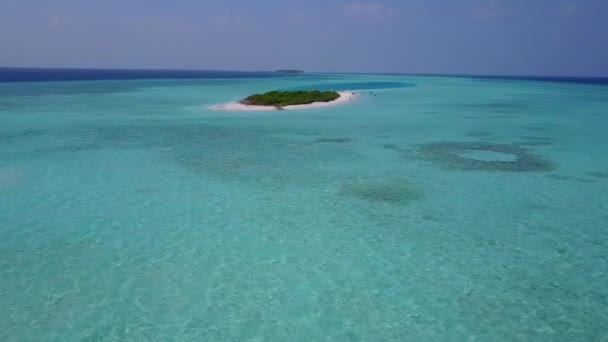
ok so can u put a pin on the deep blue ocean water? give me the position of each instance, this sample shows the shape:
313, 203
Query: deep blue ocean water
430, 209
83, 74
75, 74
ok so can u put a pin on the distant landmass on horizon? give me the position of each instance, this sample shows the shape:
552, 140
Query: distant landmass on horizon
14, 74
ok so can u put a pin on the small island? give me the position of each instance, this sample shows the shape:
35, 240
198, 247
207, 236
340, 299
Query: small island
281, 99
289, 71
287, 100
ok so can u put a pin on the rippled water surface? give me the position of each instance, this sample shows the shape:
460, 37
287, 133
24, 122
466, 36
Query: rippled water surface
431, 209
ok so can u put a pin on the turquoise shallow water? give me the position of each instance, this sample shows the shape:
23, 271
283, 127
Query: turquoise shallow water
432, 209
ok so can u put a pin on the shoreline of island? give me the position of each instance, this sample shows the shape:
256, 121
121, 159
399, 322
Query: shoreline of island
345, 97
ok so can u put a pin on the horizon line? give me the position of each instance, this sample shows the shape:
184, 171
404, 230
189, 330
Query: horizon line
388, 73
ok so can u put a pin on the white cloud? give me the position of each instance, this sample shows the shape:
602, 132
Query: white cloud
370, 12
57, 21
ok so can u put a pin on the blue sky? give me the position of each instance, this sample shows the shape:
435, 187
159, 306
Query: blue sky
524, 37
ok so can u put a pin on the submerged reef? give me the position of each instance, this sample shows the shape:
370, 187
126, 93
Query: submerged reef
536, 128
398, 192
530, 140
332, 140
559, 177
390, 147
479, 134
495, 106
597, 174
453, 155
534, 143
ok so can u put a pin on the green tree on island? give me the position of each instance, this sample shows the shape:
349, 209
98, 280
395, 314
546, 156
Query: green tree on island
281, 99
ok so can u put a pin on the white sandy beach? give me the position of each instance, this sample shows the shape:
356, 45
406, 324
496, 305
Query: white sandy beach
345, 97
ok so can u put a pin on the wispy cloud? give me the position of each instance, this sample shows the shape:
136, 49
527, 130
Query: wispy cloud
370, 12
57, 21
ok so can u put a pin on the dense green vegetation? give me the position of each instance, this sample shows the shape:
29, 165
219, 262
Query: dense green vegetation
287, 98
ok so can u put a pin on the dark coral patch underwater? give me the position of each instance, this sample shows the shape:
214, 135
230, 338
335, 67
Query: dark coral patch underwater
479, 134
537, 138
559, 177
452, 155
534, 143
530, 140
333, 140
398, 192
391, 147
537, 128
597, 174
